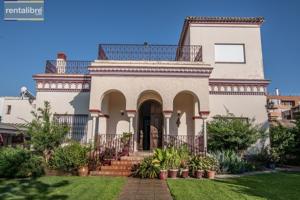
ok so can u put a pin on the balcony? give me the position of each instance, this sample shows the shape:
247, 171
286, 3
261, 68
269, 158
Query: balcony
128, 52
67, 67
146, 52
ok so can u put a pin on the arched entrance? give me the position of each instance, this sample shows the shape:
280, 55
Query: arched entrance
150, 125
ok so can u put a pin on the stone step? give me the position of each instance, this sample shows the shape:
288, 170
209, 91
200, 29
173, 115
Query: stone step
124, 162
117, 167
115, 170
132, 158
142, 153
109, 173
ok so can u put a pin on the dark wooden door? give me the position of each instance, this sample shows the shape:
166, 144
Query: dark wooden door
156, 125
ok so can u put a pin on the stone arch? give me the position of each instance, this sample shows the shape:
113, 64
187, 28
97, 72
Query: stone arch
113, 108
186, 105
149, 95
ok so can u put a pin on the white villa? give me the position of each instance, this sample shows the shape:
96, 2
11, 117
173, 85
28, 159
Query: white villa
160, 93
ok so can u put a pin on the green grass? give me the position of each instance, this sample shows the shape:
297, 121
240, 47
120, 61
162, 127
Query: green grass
61, 188
275, 186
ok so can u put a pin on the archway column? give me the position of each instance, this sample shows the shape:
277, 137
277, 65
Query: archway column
94, 114
167, 115
204, 116
131, 114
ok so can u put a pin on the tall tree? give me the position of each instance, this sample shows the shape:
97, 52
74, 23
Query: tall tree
45, 132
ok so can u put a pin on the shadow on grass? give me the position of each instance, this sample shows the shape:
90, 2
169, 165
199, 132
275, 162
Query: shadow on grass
29, 189
275, 186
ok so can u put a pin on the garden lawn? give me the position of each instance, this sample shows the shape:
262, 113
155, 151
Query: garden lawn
61, 188
277, 186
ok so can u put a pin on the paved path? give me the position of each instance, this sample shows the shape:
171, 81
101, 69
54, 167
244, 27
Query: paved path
145, 189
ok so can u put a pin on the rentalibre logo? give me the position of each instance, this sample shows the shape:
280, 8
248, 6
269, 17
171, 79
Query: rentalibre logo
30, 10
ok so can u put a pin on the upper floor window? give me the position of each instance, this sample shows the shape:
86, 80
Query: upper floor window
8, 111
229, 53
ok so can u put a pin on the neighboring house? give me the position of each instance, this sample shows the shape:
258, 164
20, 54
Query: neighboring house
161, 93
282, 107
14, 112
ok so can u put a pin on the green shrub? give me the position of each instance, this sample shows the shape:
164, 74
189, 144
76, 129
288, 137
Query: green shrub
70, 157
231, 162
231, 133
17, 162
285, 142
173, 158
148, 168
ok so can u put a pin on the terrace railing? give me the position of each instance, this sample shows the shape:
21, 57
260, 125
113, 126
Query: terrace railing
193, 143
67, 67
146, 52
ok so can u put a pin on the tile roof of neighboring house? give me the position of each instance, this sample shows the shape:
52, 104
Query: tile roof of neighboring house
12, 129
281, 97
217, 20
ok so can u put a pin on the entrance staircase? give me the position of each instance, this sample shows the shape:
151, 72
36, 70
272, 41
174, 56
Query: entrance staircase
123, 166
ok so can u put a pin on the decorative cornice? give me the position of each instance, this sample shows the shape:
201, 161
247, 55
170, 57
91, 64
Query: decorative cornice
196, 117
151, 71
217, 20
94, 111
238, 86
62, 83
131, 111
168, 111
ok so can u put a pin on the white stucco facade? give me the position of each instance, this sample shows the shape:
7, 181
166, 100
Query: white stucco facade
169, 98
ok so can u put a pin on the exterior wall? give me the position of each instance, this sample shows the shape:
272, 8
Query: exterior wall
207, 35
132, 87
240, 105
116, 123
65, 102
1, 108
20, 110
184, 103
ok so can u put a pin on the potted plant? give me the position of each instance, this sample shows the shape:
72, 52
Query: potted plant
163, 173
211, 167
184, 158
173, 161
160, 156
125, 139
197, 166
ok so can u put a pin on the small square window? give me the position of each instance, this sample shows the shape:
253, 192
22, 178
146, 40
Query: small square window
8, 111
230, 53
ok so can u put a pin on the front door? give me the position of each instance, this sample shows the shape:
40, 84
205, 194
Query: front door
150, 125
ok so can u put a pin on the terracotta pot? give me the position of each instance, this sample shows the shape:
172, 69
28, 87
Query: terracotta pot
163, 174
83, 171
199, 173
173, 173
210, 174
185, 173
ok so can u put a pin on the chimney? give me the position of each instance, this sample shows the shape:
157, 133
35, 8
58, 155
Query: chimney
61, 63
61, 55
277, 92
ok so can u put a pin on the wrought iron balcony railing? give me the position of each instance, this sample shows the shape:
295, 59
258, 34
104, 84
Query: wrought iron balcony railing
191, 53
188, 53
67, 67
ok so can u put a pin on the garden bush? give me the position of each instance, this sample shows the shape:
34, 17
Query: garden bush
70, 157
231, 162
19, 163
232, 133
285, 142
148, 168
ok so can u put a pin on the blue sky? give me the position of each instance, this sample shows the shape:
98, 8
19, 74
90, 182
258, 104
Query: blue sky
76, 28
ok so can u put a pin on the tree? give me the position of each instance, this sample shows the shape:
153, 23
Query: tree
45, 132
232, 133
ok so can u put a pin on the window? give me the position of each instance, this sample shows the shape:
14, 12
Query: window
76, 123
230, 53
8, 111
